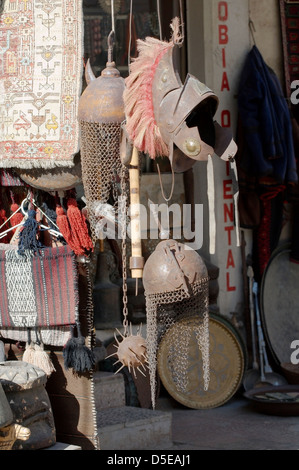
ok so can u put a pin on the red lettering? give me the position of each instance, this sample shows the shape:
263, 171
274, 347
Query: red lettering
223, 58
229, 234
227, 168
225, 84
222, 11
228, 213
225, 118
223, 36
227, 189
229, 288
230, 260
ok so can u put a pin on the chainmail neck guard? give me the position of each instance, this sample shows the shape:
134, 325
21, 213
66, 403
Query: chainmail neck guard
187, 299
101, 170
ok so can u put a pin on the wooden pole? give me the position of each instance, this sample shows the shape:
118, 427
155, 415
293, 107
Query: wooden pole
136, 260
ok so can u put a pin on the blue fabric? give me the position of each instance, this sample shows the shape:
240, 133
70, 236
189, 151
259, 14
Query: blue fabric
28, 236
266, 122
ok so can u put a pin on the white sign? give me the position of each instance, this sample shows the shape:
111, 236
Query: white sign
226, 43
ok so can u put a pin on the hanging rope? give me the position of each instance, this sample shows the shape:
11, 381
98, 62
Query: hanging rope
130, 33
182, 19
159, 19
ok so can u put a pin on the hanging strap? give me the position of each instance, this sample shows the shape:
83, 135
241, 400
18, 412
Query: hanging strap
234, 176
211, 202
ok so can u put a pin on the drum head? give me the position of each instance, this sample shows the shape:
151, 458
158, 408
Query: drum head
227, 364
280, 303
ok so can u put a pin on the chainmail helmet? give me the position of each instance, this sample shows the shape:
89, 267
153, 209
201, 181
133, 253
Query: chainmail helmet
100, 113
176, 284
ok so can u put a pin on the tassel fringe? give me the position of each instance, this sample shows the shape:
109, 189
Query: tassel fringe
28, 239
141, 124
76, 354
36, 355
78, 226
73, 227
42, 359
28, 353
17, 217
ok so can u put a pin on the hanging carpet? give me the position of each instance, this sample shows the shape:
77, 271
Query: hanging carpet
41, 68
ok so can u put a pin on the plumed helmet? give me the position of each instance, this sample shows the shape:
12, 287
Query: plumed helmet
168, 118
172, 266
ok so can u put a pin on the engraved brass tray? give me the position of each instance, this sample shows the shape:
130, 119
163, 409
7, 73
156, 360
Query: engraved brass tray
228, 362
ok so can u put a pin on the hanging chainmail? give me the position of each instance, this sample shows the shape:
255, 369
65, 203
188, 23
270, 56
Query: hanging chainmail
163, 311
101, 166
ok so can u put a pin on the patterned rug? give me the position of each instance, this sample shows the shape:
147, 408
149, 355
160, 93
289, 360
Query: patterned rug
38, 290
41, 69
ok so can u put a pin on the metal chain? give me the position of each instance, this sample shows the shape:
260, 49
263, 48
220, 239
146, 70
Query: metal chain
124, 209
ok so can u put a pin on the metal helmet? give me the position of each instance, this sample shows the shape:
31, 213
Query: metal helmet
100, 114
165, 117
102, 100
175, 280
172, 266
185, 116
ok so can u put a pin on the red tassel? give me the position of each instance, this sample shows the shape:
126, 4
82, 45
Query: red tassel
65, 230
3, 219
78, 224
16, 218
63, 225
3, 215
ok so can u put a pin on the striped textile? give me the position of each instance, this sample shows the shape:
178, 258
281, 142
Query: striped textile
39, 290
9, 178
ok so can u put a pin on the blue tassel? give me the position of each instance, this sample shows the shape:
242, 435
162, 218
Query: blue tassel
76, 354
28, 236
51, 213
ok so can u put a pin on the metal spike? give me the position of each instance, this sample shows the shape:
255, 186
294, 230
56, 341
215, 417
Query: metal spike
141, 372
120, 333
116, 338
114, 354
119, 369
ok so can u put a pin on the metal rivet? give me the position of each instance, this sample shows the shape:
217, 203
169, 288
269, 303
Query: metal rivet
192, 146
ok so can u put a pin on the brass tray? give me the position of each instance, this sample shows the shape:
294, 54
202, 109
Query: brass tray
280, 303
282, 400
227, 364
